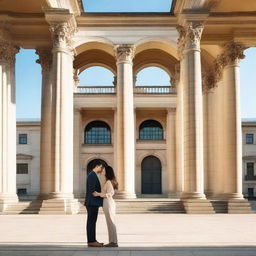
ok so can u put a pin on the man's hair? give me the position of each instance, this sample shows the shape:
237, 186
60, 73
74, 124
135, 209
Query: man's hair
97, 162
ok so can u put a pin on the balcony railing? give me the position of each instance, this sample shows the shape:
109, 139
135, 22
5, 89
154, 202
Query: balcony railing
154, 90
137, 90
96, 89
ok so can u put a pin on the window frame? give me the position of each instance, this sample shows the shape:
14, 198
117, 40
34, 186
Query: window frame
155, 136
22, 173
102, 135
247, 138
20, 137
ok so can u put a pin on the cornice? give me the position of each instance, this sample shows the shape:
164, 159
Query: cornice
127, 20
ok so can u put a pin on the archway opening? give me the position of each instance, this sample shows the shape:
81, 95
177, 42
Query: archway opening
96, 76
151, 175
153, 76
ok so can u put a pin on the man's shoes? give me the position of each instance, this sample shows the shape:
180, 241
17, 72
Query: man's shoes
95, 244
111, 245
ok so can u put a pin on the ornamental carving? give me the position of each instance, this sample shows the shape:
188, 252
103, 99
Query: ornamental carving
189, 37
45, 59
233, 52
62, 35
181, 40
193, 34
231, 55
124, 53
8, 52
176, 78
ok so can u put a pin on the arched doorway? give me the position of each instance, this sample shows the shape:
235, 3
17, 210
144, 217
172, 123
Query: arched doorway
89, 165
151, 175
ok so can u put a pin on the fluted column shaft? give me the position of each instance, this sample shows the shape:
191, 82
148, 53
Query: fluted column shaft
125, 120
232, 121
171, 151
62, 109
193, 112
46, 170
7, 124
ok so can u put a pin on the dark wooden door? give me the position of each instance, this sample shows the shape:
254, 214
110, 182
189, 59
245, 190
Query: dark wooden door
151, 175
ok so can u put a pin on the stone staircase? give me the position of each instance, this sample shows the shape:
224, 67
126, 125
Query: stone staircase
24, 207
220, 206
147, 206
139, 206
239, 206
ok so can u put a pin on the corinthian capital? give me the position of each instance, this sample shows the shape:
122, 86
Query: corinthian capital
8, 52
193, 34
62, 35
232, 53
124, 53
45, 58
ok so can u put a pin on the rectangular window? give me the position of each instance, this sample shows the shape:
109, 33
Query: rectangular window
250, 192
22, 168
23, 138
250, 171
21, 191
249, 138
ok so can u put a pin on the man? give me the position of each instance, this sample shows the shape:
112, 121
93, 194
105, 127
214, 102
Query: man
93, 203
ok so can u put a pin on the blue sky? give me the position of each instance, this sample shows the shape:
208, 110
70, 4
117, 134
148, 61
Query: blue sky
28, 82
127, 5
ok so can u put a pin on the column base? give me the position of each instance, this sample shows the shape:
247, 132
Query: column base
198, 206
7, 199
59, 203
228, 196
239, 206
192, 195
125, 195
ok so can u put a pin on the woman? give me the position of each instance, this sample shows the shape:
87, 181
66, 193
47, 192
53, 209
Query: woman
109, 206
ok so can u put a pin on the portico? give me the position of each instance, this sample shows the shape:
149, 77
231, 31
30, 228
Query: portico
195, 120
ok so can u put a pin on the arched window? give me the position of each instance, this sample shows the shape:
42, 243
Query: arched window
151, 130
97, 132
151, 177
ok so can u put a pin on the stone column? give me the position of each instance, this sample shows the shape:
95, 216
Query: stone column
7, 125
78, 180
62, 28
125, 121
46, 176
232, 52
193, 111
171, 151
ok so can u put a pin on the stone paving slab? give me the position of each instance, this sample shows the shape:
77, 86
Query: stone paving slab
155, 234
126, 251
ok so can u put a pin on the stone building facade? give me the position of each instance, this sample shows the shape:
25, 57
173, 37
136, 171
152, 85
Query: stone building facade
28, 184
198, 43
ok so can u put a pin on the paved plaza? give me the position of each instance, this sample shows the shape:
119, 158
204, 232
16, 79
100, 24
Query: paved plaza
148, 234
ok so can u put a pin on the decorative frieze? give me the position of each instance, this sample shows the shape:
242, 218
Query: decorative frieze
124, 53
45, 58
8, 52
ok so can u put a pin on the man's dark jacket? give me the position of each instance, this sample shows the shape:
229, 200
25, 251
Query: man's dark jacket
92, 185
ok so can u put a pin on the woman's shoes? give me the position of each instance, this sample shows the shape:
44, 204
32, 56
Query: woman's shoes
111, 245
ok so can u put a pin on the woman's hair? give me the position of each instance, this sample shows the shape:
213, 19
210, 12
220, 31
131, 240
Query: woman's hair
110, 175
